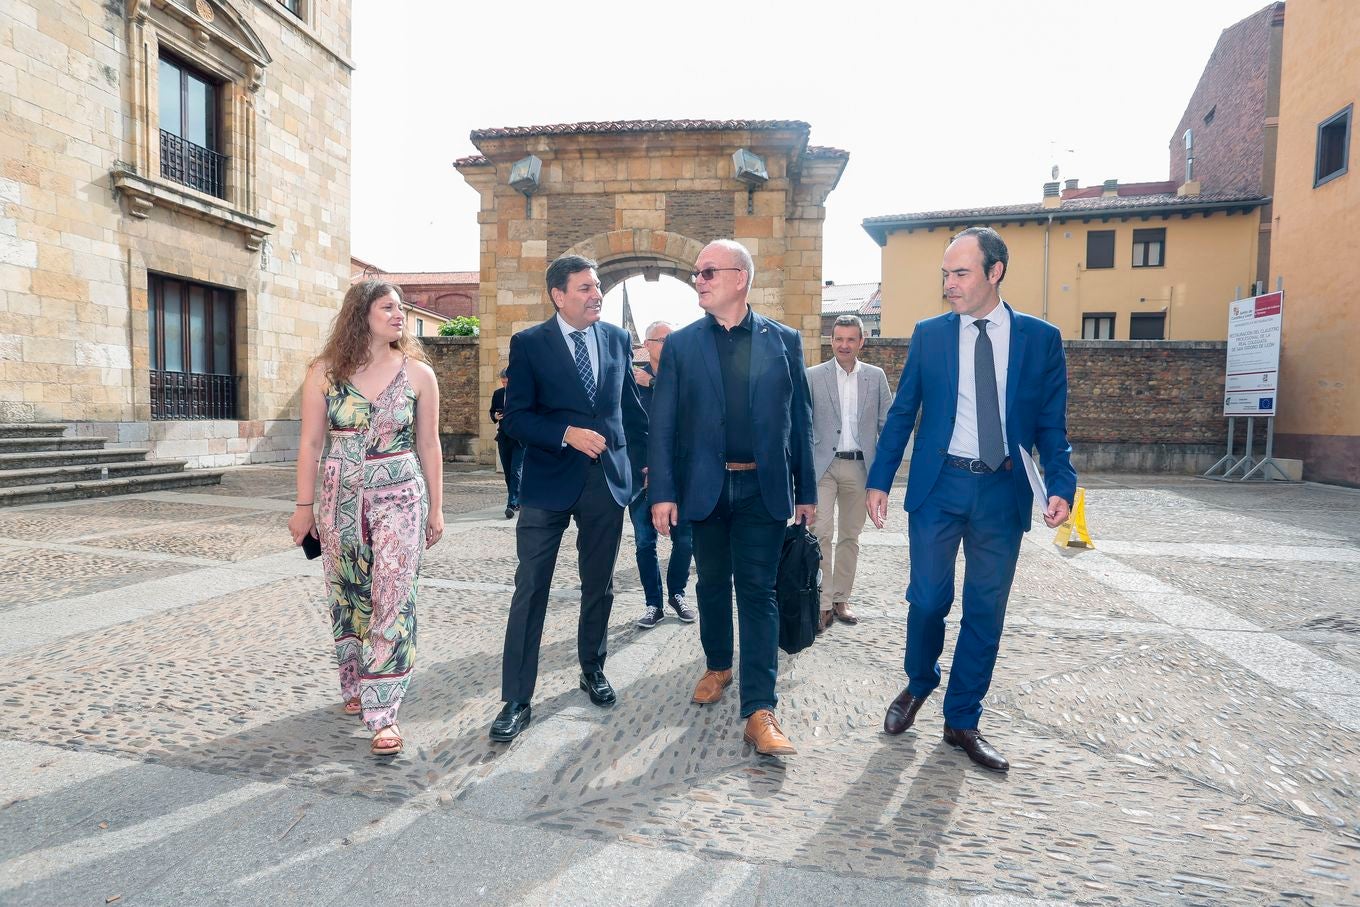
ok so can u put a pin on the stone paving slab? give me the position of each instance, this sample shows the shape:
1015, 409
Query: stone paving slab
1180, 707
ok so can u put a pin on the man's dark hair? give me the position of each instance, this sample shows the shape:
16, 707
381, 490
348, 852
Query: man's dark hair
560, 271
993, 249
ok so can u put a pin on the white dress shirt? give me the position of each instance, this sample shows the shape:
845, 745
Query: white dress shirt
592, 344
847, 385
964, 441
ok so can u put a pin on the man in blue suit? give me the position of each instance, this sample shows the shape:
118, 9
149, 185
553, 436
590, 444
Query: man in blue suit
988, 383
730, 450
573, 404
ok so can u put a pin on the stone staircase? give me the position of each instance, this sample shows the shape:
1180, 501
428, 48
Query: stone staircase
38, 463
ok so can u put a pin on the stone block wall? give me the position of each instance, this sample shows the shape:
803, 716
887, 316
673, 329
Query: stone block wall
461, 413
86, 218
1125, 398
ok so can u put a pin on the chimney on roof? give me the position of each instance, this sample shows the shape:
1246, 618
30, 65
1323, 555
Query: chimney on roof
1110, 189
1051, 197
1070, 185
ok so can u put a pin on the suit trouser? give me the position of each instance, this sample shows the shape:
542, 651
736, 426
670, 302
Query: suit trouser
840, 491
980, 511
739, 543
512, 464
538, 536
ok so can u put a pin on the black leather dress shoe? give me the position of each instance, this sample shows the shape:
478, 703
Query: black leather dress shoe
977, 748
514, 717
902, 713
601, 693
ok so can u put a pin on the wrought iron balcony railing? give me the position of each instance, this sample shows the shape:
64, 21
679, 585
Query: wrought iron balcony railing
183, 395
193, 165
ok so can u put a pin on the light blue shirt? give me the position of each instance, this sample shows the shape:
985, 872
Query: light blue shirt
592, 345
964, 442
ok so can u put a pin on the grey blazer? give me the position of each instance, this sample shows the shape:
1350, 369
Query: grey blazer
875, 398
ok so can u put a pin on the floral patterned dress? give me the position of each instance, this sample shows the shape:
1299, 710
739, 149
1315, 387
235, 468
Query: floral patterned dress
372, 528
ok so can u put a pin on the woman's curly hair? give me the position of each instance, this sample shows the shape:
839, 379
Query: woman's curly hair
347, 348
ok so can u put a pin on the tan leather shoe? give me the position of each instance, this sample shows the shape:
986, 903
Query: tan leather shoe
844, 614
710, 687
828, 618
763, 732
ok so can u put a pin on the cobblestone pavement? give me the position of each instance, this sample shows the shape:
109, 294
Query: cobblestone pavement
1180, 707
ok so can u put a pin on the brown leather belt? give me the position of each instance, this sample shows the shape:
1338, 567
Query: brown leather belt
740, 467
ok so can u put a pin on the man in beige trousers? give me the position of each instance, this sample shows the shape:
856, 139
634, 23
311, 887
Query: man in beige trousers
850, 401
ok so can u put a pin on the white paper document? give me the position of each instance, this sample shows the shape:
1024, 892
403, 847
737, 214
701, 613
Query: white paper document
1036, 481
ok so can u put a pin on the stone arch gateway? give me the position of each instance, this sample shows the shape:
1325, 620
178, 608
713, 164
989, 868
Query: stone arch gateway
644, 197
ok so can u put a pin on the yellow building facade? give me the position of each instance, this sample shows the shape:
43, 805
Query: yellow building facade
1317, 208
1101, 263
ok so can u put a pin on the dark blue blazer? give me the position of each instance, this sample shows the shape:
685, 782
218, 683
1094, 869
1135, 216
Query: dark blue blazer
545, 396
685, 447
1036, 410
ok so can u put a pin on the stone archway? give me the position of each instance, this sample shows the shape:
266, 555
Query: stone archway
624, 253
645, 197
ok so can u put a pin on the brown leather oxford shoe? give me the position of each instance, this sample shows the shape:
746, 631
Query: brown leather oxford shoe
902, 713
762, 732
710, 687
844, 614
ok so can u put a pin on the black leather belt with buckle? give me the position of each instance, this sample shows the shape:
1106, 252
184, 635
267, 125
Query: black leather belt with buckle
850, 455
977, 467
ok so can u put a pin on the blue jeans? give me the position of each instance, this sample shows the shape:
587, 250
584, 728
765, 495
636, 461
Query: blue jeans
739, 544
649, 565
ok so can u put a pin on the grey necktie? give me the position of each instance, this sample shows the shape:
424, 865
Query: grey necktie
991, 450
583, 364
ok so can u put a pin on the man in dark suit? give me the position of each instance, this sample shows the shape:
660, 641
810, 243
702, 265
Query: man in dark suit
511, 451
988, 383
731, 451
573, 403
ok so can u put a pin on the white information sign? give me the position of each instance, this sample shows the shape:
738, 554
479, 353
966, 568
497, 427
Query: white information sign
1252, 382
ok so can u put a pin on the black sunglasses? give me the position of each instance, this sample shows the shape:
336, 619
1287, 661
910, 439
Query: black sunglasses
707, 273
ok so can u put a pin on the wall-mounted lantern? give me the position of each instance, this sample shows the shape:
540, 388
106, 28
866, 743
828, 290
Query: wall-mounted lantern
750, 169
524, 175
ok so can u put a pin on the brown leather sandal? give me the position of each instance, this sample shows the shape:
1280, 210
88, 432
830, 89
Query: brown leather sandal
387, 741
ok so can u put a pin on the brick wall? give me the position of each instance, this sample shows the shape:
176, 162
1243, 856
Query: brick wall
454, 360
703, 214
573, 218
1139, 392
1230, 149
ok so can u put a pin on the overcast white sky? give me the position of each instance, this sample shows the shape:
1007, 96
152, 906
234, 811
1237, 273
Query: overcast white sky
940, 104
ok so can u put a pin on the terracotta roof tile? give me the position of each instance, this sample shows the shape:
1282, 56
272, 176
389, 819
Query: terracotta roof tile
878, 227
614, 126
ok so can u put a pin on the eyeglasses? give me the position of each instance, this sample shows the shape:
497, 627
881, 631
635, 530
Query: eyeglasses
655, 340
707, 273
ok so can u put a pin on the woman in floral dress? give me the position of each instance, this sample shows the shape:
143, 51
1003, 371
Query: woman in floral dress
374, 395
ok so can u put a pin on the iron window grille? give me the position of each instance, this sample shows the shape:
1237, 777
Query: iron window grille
192, 344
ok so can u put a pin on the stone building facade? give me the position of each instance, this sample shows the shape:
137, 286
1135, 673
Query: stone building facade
644, 197
174, 237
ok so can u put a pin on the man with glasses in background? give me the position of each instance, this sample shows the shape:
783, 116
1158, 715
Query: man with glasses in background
730, 450
640, 510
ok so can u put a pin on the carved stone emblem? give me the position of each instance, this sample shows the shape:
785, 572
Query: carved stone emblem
205, 10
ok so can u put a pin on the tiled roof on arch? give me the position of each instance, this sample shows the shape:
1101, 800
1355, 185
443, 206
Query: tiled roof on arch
620, 126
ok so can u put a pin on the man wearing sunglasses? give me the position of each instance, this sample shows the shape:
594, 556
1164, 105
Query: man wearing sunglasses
730, 450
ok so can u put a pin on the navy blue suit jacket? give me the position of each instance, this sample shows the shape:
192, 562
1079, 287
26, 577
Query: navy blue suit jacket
1036, 410
685, 448
545, 396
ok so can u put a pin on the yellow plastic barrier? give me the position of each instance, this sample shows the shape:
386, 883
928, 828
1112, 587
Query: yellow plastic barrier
1073, 532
